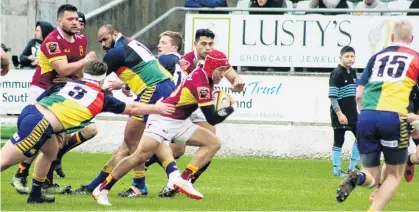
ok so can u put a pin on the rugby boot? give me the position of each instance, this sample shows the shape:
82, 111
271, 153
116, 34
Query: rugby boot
42, 198
20, 185
347, 186
82, 191
134, 192
56, 189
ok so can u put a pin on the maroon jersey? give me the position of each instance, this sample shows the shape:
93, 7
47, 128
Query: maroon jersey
195, 91
188, 62
56, 47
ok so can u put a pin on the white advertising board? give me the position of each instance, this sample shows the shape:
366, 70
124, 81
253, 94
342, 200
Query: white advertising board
265, 97
295, 41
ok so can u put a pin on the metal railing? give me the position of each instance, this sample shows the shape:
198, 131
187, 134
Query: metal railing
104, 8
267, 10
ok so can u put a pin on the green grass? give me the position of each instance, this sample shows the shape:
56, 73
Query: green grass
229, 184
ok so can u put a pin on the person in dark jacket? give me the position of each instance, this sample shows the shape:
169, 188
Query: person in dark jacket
414, 5
30, 54
268, 4
338, 4
207, 3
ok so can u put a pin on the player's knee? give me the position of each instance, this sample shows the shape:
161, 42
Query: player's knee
215, 144
178, 150
90, 131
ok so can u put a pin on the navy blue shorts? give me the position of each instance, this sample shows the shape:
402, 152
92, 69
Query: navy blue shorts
153, 93
382, 131
33, 131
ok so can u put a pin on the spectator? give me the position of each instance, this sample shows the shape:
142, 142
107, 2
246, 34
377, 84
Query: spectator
30, 55
82, 21
268, 4
371, 4
339, 4
207, 3
414, 5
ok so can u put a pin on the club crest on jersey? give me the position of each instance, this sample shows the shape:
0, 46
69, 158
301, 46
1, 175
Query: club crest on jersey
184, 64
81, 50
204, 93
53, 48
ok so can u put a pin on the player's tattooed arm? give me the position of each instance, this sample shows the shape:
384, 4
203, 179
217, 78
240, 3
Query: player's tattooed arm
214, 117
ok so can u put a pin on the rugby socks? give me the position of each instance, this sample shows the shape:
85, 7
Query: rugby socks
337, 160
75, 140
199, 172
37, 185
108, 184
100, 178
139, 179
354, 157
189, 171
365, 179
154, 159
23, 170
50, 175
169, 166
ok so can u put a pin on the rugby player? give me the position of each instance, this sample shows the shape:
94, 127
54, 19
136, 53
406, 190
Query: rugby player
196, 91
62, 55
383, 98
138, 69
65, 106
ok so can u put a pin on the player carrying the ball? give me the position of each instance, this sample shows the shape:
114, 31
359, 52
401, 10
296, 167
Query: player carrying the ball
194, 92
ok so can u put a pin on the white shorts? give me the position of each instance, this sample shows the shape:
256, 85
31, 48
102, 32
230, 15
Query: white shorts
34, 93
198, 116
164, 128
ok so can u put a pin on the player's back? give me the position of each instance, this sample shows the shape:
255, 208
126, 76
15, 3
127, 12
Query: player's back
389, 78
195, 91
135, 65
56, 47
74, 102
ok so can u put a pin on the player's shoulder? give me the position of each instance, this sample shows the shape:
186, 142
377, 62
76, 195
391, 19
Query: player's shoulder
114, 53
190, 56
53, 36
80, 39
169, 58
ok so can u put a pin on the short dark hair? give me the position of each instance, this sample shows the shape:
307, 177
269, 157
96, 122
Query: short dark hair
65, 7
204, 33
346, 49
95, 68
176, 37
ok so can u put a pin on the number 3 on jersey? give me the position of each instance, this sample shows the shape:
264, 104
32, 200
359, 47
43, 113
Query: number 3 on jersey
79, 93
391, 66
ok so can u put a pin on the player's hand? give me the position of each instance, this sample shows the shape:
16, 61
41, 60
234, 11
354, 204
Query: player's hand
91, 56
238, 85
415, 134
35, 62
342, 119
163, 108
126, 91
115, 85
31, 57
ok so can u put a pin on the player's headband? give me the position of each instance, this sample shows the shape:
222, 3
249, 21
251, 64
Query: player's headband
214, 60
98, 78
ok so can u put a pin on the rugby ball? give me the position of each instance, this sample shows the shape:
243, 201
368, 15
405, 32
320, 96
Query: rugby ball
221, 100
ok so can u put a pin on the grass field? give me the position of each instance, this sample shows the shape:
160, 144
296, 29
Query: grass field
229, 184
